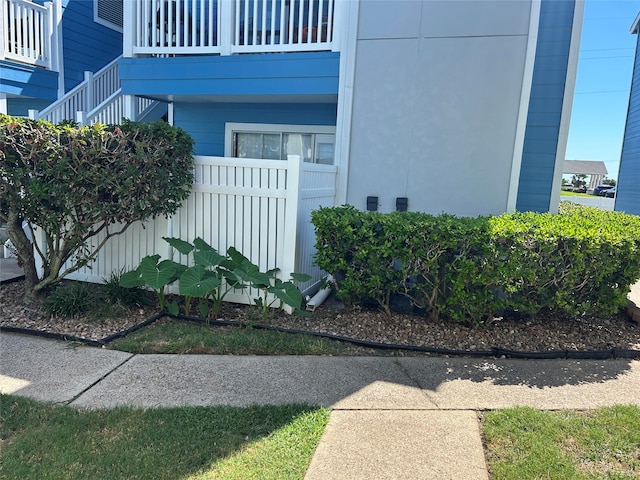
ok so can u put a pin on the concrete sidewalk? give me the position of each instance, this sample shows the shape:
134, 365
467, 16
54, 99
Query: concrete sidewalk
391, 417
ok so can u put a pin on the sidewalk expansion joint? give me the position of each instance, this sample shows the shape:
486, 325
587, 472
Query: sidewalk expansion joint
85, 390
417, 383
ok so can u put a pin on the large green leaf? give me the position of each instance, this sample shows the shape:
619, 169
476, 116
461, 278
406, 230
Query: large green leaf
301, 277
200, 244
289, 294
247, 271
208, 258
157, 275
131, 279
185, 248
197, 282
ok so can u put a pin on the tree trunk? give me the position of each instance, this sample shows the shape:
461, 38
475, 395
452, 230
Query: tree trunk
26, 258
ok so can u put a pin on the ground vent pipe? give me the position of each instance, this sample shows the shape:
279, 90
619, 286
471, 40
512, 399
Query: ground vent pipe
321, 295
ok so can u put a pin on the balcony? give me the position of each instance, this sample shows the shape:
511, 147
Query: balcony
226, 27
28, 33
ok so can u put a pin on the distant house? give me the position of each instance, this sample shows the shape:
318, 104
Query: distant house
628, 195
596, 170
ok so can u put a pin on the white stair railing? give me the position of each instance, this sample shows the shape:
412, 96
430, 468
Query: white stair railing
97, 99
114, 109
84, 97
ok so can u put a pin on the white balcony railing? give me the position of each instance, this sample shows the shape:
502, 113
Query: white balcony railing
184, 27
28, 33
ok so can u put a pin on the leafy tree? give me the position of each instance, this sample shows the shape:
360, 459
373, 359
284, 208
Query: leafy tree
67, 184
579, 180
609, 181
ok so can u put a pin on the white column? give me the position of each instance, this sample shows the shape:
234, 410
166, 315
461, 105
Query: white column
57, 53
226, 32
129, 30
170, 114
129, 110
3, 103
291, 219
81, 118
89, 104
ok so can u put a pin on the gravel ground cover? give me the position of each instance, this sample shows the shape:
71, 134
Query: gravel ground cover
540, 334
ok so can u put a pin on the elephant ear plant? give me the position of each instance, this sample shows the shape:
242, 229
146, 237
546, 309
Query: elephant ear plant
211, 277
271, 288
156, 275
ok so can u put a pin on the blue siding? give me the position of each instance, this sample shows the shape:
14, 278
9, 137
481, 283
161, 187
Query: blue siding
87, 46
28, 81
206, 122
628, 196
20, 106
291, 74
545, 105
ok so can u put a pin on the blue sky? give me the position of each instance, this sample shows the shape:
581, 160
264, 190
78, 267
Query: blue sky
601, 95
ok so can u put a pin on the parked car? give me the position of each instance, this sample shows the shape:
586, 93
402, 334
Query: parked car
601, 189
611, 193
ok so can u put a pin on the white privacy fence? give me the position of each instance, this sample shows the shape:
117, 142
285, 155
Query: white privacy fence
260, 207
28, 33
185, 27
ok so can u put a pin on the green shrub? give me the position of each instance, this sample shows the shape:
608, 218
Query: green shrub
582, 260
74, 183
71, 299
441, 263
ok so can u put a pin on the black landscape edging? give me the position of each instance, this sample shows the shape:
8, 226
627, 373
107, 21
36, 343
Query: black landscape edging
72, 338
11, 280
52, 335
614, 353
129, 330
494, 352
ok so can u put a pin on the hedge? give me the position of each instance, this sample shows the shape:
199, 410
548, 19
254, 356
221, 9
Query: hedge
580, 261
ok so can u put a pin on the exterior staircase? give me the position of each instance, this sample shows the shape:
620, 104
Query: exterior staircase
99, 99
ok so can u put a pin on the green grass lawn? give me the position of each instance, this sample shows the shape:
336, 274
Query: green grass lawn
524, 443
41, 441
187, 337
574, 194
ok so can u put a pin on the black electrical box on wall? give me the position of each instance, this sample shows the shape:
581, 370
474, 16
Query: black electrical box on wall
402, 204
372, 204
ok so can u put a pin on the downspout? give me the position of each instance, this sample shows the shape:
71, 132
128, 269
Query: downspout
347, 16
57, 46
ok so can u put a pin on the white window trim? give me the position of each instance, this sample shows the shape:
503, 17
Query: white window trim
229, 128
104, 22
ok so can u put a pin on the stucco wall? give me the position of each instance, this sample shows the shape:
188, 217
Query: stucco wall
436, 99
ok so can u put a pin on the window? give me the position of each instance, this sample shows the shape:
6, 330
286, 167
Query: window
108, 13
315, 144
